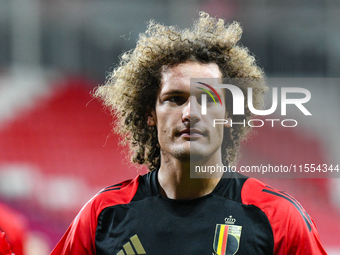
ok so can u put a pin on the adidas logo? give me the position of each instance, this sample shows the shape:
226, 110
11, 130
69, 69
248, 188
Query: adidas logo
133, 247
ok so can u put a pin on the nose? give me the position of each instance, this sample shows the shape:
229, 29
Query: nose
191, 112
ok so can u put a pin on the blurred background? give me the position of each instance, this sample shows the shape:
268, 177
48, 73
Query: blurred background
56, 147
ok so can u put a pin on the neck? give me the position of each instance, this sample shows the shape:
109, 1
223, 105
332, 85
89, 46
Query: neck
175, 181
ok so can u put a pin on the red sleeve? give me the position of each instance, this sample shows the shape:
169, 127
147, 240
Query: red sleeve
294, 231
80, 236
4, 246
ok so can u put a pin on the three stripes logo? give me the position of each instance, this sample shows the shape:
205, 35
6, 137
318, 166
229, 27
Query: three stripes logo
133, 247
295, 203
204, 97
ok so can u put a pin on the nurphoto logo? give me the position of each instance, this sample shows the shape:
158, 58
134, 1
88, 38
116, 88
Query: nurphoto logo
238, 103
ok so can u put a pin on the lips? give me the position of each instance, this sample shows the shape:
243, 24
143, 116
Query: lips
191, 132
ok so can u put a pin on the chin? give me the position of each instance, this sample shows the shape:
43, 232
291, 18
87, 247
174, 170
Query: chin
183, 156
190, 153
197, 154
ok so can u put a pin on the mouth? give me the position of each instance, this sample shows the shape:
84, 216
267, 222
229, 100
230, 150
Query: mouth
190, 133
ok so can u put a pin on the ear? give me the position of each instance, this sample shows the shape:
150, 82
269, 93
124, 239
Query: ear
152, 118
228, 118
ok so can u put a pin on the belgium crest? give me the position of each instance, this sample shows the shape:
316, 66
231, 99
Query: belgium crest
227, 237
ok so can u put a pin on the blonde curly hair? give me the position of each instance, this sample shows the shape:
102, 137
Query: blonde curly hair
131, 89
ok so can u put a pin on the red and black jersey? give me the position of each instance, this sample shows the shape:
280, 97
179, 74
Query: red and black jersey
241, 216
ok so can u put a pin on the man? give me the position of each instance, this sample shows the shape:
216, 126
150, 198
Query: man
159, 116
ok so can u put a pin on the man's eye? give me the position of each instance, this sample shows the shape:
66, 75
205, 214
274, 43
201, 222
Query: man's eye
210, 99
173, 99
176, 99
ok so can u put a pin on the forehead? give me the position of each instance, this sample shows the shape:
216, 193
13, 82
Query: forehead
178, 76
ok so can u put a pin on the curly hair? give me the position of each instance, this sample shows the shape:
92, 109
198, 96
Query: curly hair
131, 89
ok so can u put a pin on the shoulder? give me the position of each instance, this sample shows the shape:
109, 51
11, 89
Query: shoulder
257, 193
120, 193
278, 205
80, 236
293, 229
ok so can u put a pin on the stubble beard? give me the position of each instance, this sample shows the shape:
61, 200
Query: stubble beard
189, 155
